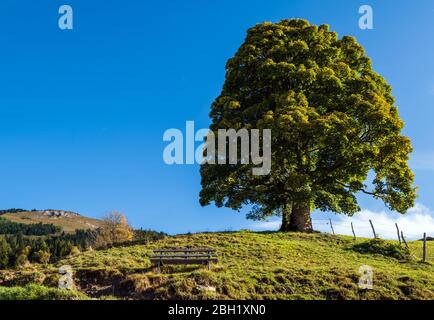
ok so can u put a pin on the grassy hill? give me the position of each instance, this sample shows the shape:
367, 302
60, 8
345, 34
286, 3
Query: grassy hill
67, 220
251, 266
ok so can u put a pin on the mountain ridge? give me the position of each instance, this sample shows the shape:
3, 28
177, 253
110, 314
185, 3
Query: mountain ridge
69, 221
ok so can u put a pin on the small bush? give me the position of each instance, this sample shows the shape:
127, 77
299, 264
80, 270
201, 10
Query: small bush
382, 247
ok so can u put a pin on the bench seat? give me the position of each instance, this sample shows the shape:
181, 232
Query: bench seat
183, 261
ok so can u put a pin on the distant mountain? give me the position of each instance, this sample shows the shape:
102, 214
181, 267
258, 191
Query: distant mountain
69, 221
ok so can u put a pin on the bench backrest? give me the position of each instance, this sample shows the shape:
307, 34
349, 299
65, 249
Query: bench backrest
184, 250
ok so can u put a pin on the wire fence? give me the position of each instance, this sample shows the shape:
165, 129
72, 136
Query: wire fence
421, 246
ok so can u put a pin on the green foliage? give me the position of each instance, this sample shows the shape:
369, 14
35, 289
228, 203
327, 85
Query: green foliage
5, 251
83, 239
333, 120
37, 292
36, 229
18, 250
148, 235
383, 247
21, 260
42, 256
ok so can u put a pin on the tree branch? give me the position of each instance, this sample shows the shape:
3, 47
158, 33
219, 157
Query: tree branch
375, 194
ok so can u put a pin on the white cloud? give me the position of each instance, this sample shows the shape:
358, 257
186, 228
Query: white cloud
266, 225
418, 220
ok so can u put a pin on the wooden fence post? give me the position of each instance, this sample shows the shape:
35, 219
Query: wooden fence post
397, 230
373, 229
352, 229
403, 239
331, 225
424, 247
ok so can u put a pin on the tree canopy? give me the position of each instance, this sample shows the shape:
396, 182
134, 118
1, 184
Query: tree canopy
333, 120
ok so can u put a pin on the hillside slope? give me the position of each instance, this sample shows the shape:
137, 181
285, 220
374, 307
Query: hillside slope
253, 266
67, 220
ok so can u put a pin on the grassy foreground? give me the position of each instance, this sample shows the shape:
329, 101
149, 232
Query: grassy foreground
251, 266
37, 292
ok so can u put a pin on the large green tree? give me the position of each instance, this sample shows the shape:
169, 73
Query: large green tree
333, 121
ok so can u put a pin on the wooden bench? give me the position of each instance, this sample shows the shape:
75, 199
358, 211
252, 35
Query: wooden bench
179, 256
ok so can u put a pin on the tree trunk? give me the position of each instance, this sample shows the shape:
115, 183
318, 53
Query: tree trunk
286, 214
298, 219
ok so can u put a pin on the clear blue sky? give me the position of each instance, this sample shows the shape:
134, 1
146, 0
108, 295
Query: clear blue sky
83, 112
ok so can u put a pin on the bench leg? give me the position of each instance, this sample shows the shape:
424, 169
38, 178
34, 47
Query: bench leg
209, 265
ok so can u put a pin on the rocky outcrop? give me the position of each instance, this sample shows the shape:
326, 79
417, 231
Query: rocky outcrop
59, 214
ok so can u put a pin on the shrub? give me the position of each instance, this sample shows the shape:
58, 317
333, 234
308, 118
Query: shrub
42, 256
74, 251
21, 260
382, 247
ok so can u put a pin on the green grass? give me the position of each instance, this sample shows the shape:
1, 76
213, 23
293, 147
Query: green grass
260, 266
251, 266
416, 249
37, 292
